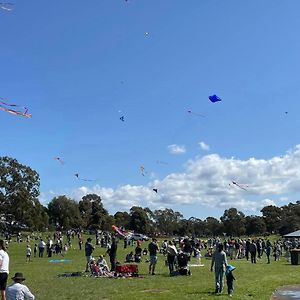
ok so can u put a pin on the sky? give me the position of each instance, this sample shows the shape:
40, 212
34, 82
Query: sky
80, 66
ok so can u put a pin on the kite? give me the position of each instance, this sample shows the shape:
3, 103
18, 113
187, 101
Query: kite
59, 159
195, 113
6, 6
122, 118
7, 107
146, 33
155, 190
161, 162
119, 230
142, 169
83, 179
241, 186
214, 98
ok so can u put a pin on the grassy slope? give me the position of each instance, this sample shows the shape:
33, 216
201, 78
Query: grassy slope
253, 281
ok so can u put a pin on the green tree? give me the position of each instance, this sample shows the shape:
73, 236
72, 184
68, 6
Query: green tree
93, 214
234, 222
122, 218
167, 220
255, 225
19, 189
64, 211
140, 219
213, 227
272, 216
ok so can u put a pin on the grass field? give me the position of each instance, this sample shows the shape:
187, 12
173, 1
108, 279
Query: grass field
254, 281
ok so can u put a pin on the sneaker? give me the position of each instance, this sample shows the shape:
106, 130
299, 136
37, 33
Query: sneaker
153, 273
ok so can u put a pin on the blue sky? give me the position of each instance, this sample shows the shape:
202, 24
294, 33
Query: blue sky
79, 66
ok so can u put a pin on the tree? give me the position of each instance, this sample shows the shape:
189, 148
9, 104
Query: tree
93, 214
140, 219
64, 211
19, 189
255, 225
213, 227
122, 219
234, 222
272, 217
167, 220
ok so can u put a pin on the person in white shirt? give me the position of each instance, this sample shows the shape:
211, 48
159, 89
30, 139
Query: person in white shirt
18, 291
4, 265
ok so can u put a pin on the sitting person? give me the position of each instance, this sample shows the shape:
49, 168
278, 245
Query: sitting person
101, 262
130, 257
145, 251
138, 254
95, 269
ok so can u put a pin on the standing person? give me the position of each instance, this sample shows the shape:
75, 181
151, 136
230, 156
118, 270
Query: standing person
171, 254
42, 246
219, 260
28, 253
229, 279
18, 290
153, 249
4, 266
112, 251
252, 250
268, 250
89, 248
248, 242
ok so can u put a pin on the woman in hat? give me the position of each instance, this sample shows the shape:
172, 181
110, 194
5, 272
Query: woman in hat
18, 290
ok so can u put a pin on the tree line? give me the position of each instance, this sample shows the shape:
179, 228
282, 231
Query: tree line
19, 204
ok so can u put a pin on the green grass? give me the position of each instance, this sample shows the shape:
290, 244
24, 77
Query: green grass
254, 281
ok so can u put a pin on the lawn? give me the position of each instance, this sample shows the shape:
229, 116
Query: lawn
254, 281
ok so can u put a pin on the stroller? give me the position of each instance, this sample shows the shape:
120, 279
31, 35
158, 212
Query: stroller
182, 263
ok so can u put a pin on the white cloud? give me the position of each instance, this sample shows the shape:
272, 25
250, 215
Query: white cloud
176, 149
204, 146
205, 181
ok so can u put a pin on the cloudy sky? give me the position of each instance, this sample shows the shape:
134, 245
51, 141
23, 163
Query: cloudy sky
118, 91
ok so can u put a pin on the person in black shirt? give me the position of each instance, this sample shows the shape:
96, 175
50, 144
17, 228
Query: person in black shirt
153, 249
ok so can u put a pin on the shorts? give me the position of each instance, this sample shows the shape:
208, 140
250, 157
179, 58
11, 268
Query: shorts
3, 281
89, 258
153, 259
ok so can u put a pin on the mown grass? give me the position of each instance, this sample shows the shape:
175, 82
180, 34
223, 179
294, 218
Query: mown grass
254, 281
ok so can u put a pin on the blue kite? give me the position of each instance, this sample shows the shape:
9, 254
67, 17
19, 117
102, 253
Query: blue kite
214, 98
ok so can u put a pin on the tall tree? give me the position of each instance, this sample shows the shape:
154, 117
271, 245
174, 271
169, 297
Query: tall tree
122, 218
272, 217
19, 189
140, 220
64, 211
167, 220
93, 213
213, 227
255, 225
234, 222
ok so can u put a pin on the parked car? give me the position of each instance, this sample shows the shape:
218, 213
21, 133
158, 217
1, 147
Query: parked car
138, 236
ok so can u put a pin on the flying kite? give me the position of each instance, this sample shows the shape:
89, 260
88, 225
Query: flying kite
161, 162
241, 186
142, 169
6, 6
119, 230
59, 159
155, 190
195, 113
83, 179
122, 118
7, 107
214, 98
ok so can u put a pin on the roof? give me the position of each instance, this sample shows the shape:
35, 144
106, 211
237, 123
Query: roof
292, 234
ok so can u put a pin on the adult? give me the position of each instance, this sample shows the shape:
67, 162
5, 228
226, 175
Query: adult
268, 250
89, 248
42, 246
18, 290
112, 251
153, 249
171, 255
253, 250
4, 266
219, 261
247, 246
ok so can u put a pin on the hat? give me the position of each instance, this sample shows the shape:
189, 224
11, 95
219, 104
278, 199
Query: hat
229, 268
18, 276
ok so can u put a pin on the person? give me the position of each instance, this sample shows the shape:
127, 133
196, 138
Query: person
252, 250
112, 251
28, 253
229, 279
219, 261
153, 249
130, 257
4, 266
89, 248
42, 246
171, 255
17, 290
35, 249
268, 250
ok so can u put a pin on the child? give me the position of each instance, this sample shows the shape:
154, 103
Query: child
28, 253
229, 279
